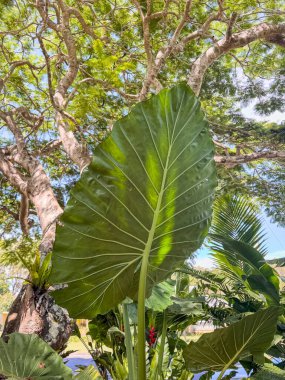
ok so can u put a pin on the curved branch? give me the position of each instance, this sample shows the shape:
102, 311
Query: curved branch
231, 161
237, 40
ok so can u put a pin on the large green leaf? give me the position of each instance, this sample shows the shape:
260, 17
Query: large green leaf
222, 348
147, 193
29, 357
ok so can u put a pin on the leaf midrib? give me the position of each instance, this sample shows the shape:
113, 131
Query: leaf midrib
244, 345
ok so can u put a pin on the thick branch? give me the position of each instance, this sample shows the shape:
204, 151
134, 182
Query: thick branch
88, 29
76, 151
237, 40
73, 64
175, 45
15, 178
23, 214
231, 161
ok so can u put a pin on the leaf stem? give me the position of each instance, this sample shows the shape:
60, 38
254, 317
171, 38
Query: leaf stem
141, 316
161, 348
222, 373
128, 342
143, 276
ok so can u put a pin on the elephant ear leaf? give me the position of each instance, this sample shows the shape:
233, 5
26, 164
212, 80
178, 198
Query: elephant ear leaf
160, 297
146, 196
224, 347
29, 357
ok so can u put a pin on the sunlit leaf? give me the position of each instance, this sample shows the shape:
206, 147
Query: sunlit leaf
147, 193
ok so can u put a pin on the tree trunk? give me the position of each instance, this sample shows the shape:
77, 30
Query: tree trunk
35, 312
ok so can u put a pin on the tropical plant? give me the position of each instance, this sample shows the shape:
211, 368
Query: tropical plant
68, 69
25, 254
269, 372
39, 272
145, 201
243, 280
239, 248
27, 357
223, 348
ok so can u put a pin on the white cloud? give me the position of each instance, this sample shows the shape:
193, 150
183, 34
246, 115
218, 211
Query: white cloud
204, 262
275, 255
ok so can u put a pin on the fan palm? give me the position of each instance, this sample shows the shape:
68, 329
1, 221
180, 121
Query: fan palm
238, 243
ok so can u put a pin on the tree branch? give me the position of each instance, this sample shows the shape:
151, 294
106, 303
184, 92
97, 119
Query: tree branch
23, 215
237, 40
175, 45
231, 161
15, 178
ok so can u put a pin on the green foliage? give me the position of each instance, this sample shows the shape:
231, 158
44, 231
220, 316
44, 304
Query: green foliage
223, 348
237, 241
14, 251
160, 297
89, 373
29, 357
6, 297
238, 218
269, 372
100, 326
147, 192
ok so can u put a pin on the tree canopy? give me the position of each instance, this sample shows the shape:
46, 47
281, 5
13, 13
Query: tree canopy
69, 69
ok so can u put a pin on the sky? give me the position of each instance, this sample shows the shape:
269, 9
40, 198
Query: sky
275, 234
275, 242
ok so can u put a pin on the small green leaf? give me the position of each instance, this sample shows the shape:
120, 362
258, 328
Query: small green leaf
160, 297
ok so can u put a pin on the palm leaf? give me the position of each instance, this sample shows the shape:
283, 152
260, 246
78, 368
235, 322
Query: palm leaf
237, 242
89, 373
237, 217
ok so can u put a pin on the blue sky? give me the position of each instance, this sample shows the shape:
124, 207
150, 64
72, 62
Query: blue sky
275, 243
275, 234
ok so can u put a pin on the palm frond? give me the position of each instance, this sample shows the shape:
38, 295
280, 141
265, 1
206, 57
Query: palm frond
238, 218
238, 246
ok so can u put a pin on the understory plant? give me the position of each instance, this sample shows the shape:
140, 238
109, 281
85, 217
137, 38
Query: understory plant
139, 211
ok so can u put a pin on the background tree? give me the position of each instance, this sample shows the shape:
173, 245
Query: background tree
68, 69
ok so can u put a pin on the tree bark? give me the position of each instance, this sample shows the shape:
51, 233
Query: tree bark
221, 47
35, 312
231, 161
